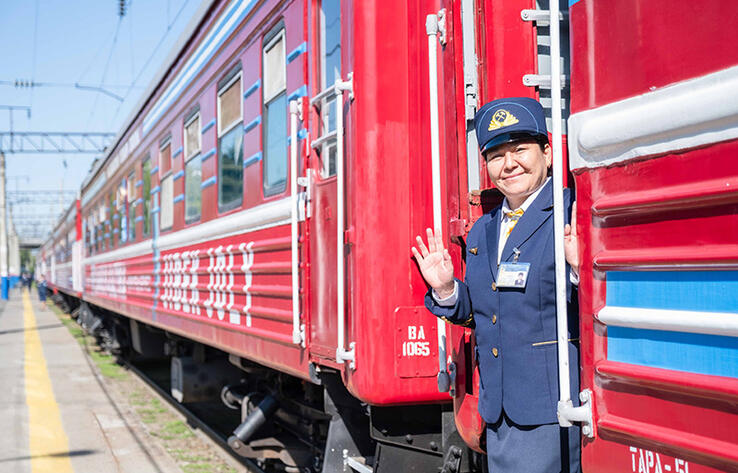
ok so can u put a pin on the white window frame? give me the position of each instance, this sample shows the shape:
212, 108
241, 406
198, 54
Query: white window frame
166, 142
279, 36
189, 121
270, 44
166, 206
325, 151
230, 126
189, 157
131, 186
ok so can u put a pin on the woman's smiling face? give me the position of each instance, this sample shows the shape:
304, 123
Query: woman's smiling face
518, 168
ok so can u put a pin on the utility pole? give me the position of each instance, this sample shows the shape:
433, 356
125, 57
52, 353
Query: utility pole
13, 252
3, 233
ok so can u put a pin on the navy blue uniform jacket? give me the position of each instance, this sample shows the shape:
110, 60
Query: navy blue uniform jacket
520, 324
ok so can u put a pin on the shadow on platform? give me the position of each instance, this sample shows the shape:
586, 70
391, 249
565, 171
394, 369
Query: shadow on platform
39, 327
72, 453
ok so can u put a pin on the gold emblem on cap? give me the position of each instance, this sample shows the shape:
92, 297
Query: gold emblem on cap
501, 119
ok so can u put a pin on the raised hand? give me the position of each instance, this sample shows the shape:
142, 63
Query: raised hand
571, 241
435, 263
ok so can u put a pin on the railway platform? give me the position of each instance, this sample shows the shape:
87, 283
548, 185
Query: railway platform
56, 415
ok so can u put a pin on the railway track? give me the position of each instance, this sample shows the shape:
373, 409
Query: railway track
216, 436
152, 376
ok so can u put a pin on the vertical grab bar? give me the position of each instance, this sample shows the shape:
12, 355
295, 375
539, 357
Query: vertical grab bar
566, 411
431, 29
297, 338
562, 326
342, 355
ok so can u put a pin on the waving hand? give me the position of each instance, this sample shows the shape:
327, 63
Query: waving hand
435, 263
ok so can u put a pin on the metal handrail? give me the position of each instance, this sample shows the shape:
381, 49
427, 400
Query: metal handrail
328, 92
297, 337
432, 30
567, 413
321, 140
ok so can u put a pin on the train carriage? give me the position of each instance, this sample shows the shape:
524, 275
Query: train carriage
658, 215
258, 206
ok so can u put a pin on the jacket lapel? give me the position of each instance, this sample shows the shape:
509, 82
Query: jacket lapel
538, 212
493, 239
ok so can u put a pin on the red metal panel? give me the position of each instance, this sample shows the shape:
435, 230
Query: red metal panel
676, 211
78, 220
232, 293
622, 49
389, 192
416, 343
252, 140
684, 415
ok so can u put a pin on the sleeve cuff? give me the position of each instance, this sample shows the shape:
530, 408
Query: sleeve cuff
450, 301
573, 277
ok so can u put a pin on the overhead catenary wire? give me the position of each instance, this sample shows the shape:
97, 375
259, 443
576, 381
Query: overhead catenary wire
151, 56
105, 70
93, 61
28, 83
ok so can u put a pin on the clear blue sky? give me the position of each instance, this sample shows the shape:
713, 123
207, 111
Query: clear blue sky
68, 41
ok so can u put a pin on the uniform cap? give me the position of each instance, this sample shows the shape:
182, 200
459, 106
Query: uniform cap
504, 120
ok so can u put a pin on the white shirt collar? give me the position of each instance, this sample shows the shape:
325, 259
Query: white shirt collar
506, 206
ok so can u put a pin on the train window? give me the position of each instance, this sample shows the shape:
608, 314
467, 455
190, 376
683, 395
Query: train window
94, 233
90, 233
330, 70
146, 195
275, 114
230, 141
165, 155
101, 227
193, 167
166, 202
131, 206
131, 191
111, 221
122, 205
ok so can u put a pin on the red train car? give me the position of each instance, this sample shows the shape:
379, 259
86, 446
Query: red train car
653, 146
60, 257
257, 209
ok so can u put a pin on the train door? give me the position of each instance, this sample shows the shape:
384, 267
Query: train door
504, 49
327, 135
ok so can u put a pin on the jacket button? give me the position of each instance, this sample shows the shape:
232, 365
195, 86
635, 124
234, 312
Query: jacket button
494, 318
494, 286
495, 352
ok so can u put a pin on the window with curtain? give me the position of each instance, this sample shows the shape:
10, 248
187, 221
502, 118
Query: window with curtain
275, 116
230, 142
193, 168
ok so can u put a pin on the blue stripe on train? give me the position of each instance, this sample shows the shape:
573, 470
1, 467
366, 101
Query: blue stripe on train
691, 352
702, 291
231, 19
698, 291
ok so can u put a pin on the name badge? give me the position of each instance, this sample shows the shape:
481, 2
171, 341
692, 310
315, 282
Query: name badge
513, 275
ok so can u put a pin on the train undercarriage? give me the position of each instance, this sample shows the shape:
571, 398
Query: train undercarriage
288, 424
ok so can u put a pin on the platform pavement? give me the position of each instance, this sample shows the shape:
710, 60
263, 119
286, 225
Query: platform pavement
56, 415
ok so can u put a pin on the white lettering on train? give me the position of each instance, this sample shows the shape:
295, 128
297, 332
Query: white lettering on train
180, 283
211, 281
248, 261
646, 461
413, 347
